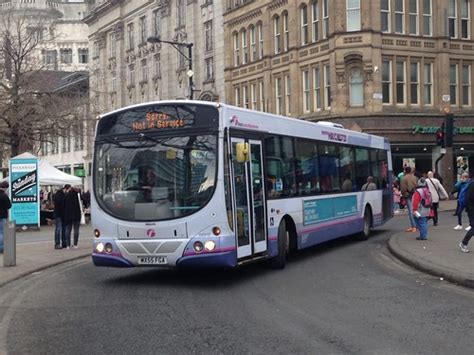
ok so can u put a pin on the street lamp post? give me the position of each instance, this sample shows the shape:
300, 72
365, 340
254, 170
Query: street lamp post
189, 58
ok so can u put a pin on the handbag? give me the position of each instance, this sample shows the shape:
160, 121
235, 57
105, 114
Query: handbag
83, 216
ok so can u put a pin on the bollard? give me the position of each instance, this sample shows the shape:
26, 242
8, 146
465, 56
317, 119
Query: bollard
9, 243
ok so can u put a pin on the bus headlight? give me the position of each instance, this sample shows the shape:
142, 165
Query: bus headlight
96, 233
198, 247
216, 231
99, 247
209, 245
108, 248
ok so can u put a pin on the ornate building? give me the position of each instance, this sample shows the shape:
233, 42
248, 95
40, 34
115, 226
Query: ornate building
127, 69
387, 67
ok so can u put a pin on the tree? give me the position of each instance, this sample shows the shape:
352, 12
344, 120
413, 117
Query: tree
31, 108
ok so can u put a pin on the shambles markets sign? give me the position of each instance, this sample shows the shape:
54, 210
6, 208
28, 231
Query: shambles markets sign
432, 130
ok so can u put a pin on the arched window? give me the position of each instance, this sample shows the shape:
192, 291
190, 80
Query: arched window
245, 48
253, 43
304, 25
260, 40
356, 88
236, 49
276, 35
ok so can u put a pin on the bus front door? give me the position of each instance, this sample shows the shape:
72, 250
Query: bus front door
249, 199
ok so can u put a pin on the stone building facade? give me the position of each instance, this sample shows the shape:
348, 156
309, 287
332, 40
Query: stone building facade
387, 67
127, 69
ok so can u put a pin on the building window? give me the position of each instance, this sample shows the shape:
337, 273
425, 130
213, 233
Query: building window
465, 19
356, 88
66, 56
387, 82
131, 75
413, 16
245, 48
253, 45
131, 37
208, 35
327, 87
237, 96
315, 20
452, 19
278, 97
83, 54
287, 95
261, 96
427, 18
400, 84
50, 57
236, 49
353, 15
286, 32
428, 84
143, 35
325, 19
317, 89
414, 83
304, 25
453, 84
156, 23
96, 50
209, 65
399, 16
306, 103
466, 85
245, 92
385, 15
144, 70
181, 13
253, 96
114, 82
66, 148
157, 66
276, 34
112, 45
260, 41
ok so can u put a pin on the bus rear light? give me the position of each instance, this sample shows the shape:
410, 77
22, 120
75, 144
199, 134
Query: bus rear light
209, 245
96, 233
99, 247
198, 247
108, 248
216, 231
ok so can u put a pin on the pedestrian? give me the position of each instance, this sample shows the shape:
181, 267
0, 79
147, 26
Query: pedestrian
369, 185
408, 186
458, 187
60, 225
5, 205
396, 196
421, 212
470, 213
72, 216
438, 193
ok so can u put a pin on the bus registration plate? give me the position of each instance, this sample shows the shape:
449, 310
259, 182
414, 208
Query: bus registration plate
152, 260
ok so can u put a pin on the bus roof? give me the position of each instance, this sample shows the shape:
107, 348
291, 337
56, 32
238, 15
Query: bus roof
245, 119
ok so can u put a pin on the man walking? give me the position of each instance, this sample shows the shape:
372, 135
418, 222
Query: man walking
5, 205
408, 184
60, 226
72, 216
470, 213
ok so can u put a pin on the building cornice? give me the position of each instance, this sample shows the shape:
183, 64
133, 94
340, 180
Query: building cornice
100, 10
242, 19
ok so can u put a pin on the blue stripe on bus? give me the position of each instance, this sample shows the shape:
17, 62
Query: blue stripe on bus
226, 259
109, 260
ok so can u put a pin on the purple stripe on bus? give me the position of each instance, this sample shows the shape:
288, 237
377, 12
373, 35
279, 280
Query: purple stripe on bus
221, 250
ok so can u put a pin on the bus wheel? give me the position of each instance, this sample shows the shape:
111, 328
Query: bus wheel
364, 235
278, 262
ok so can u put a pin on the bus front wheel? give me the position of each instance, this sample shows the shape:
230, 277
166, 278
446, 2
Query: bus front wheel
278, 262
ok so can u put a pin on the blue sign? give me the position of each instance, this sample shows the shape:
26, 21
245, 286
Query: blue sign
326, 209
24, 191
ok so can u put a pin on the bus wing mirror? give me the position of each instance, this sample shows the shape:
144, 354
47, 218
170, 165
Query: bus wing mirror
242, 152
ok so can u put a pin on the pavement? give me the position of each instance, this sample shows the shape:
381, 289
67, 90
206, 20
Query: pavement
439, 255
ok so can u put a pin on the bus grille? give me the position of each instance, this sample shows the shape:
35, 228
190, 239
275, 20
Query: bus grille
151, 247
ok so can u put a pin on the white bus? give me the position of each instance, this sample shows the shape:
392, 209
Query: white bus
192, 183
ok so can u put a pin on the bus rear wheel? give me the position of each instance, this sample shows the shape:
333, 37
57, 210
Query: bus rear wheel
279, 261
364, 235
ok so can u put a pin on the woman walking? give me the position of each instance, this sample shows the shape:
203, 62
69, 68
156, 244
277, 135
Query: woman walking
438, 193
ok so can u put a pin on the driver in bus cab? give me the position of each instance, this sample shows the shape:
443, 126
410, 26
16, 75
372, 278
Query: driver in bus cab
149, 181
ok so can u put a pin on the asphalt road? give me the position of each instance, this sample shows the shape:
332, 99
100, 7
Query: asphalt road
340, 298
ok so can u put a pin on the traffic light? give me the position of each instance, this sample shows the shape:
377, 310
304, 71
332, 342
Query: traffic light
449, 131
440, 138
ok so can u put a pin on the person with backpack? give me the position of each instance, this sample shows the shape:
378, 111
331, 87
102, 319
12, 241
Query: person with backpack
469, 204
421, 205
437, 193
460, 188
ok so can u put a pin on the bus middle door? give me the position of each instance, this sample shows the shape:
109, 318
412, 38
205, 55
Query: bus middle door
249, 193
